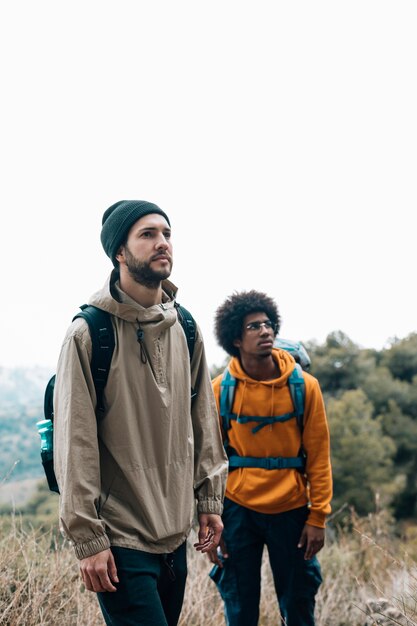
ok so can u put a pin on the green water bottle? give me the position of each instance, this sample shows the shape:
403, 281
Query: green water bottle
45, 429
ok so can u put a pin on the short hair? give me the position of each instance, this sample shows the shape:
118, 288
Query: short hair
228, 321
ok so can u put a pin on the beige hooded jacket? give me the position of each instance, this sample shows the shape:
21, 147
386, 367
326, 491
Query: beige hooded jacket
130, 478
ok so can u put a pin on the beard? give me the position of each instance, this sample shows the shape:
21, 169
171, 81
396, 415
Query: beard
142, 273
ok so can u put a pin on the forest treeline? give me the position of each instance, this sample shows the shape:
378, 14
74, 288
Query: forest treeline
371, 403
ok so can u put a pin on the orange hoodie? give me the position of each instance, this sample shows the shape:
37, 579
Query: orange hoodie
275, 491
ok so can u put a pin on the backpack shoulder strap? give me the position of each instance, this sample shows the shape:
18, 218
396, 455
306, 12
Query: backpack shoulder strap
190, 328
227, 394
48, 399
102, 339
297, 390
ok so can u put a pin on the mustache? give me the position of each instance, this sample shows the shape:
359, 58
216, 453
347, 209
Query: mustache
161, 255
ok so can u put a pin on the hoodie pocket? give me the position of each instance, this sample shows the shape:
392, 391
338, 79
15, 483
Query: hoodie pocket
105, 495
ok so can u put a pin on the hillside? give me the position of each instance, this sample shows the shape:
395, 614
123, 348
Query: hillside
21, 406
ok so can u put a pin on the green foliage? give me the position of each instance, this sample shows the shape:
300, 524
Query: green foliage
336, 363
401, 358
381, 389
403, 429
362, 455
371, 399
40, 511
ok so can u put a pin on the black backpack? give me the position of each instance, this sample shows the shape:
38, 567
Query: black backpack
102, 339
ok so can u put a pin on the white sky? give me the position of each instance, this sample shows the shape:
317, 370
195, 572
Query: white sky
279, 137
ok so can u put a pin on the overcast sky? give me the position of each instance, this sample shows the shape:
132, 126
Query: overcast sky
279, 137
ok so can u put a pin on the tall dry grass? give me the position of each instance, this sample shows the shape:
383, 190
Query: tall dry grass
40, 585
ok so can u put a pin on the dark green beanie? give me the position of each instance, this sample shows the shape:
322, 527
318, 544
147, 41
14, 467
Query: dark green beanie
118, 220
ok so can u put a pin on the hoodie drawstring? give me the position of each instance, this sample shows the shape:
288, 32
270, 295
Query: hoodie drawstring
239, 411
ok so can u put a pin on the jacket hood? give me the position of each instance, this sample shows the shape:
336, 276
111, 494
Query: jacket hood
286, 364
113, 300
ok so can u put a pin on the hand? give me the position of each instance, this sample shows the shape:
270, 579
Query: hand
99, 571
312, 538
210, 531
214, 556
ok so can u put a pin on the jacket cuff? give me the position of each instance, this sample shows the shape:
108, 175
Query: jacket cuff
315, 518
210, 505
88, 548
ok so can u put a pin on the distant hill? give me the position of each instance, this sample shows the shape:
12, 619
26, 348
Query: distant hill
21, 406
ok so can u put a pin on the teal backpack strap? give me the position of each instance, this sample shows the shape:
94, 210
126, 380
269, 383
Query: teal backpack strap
227, 394
297, 391
268, 463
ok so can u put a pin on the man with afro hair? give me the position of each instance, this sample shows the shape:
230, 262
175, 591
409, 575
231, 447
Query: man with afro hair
279, 487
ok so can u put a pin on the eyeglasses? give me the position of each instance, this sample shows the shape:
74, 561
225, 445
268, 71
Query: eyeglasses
255, 327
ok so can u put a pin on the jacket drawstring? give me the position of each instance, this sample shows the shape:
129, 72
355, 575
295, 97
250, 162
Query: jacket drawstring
139, 335
239, 411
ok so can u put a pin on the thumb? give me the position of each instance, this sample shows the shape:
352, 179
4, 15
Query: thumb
302, 539
223, 548
202, 531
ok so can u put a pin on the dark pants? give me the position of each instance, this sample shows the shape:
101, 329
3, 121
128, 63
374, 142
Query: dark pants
150, 591
239, 581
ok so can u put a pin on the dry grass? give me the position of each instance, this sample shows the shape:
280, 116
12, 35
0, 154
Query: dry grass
39, 582
40, 586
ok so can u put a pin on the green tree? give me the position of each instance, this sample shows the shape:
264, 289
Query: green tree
403, 429
401, 358
381, 389
362, 456
339, 364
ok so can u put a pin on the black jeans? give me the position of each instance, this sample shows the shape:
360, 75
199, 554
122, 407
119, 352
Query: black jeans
239, 581
150, 591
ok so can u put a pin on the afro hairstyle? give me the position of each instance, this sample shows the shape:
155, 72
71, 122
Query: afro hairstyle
228, 321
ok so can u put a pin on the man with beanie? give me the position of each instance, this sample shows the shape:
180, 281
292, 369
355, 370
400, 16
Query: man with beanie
129, 477
279, 487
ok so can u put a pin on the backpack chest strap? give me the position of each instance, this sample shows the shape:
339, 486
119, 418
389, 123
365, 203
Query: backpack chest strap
227, 392
268, 463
